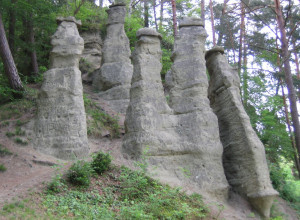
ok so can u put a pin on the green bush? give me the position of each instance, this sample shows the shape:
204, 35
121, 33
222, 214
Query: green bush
101, 162
56, 185
4, 151
80, 174
2, 168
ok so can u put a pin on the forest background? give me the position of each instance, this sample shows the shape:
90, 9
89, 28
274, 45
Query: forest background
260, 38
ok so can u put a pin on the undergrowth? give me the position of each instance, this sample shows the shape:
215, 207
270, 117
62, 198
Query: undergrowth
286, 184
98, 120
118, 193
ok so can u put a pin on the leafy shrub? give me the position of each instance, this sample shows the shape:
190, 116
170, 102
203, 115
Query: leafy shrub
56, 185
101, 162
80, 173
2, 168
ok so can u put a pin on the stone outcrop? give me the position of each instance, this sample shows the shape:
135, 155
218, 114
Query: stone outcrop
244, 155
197, 124
114, 78
92, 55
60, 126
183, 142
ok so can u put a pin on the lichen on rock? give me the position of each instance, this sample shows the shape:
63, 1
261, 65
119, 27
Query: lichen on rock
60, 125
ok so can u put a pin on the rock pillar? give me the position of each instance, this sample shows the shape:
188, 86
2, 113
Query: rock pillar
197, 124
181, 148
244, 156
60, 126
114, 78
91, 57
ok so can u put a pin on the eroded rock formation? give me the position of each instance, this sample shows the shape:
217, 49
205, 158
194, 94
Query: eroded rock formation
114, 78
92, 55
197, 124
184, 141
60, 126
244, 155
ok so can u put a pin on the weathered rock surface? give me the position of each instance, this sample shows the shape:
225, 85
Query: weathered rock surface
184, 145
92, 55
114, 78
197, 124
244, 157
60, 126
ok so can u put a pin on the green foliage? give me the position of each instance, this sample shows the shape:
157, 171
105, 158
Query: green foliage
101, 162
2, 168
132, 25
80, 174
20, 141
4, 151
56, 185
285, 183
100, 120
9, 134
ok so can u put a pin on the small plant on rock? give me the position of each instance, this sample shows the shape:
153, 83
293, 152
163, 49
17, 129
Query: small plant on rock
80, 174
101, 162
2, 168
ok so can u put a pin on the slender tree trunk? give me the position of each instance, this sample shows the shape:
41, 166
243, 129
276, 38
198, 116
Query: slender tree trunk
288, 75
174, 17
296, 158
212, 22
154, 12
245, 73
161, 19
130, 8
34, 62
146, 13
8, 61
222, 23
11, 28
242, 31
203, 11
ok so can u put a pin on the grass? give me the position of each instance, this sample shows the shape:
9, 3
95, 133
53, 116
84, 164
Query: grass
18, 107
4, 151
20, 141
98, 120
119, 193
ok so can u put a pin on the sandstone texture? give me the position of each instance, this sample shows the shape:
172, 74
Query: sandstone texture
244, 157
197, 124
113, 80
91, 57
60, 126
181, 142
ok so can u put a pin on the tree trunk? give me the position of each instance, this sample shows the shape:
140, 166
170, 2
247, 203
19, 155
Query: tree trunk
222, 23
296, 158
8, 61
203, 11
174, 17
245, 72
212, 22
11, 28
146, 13
130, 8
242, 31
34, 62
154, 12
161, 19
288, 75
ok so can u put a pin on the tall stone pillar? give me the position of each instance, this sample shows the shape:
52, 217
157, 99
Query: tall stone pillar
60, 126
197, 123
114, 78
244, 156
181, 148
